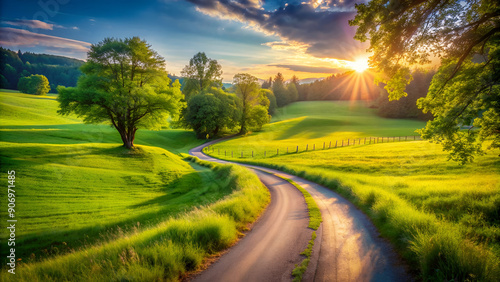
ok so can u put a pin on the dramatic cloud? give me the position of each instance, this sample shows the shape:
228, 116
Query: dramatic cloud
322, 26
32, 24
309, 69
13, 37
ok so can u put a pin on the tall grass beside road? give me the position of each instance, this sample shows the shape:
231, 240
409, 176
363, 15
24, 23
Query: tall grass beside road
444, 218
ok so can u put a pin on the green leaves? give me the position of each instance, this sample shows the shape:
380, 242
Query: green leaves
201, 73
34, 84
466, 36
212, 111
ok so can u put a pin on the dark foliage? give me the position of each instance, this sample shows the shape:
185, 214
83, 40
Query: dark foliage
406, 107
58, 70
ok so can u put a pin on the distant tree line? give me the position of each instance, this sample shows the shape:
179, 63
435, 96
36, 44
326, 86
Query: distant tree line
57, 69
353, 86
344, 86
284, 93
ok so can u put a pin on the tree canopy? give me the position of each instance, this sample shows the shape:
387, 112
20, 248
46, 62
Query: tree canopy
211, 111
34, 84
201, 73
124, 83
465, 36
255, 104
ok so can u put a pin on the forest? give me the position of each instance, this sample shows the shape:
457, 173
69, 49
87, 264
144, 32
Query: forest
59, 70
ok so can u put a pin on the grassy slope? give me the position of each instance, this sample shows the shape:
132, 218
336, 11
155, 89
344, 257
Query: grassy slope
315, 123
435, 211
76, 185
165, 251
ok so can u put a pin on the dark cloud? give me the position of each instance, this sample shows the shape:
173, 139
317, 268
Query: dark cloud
321, 25
307, 68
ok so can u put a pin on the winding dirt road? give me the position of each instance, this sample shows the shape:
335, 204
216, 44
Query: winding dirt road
348, 246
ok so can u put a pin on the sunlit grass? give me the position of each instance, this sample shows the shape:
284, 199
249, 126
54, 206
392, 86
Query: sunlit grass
90, 210
164, 251
443, 217
318, 125
76, 184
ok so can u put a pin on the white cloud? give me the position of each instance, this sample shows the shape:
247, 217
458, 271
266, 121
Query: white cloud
13, 37
33, 24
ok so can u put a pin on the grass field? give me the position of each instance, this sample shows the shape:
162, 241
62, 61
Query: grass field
314, 124
33, 119
76, 183
79, 192
443, 217
166, 251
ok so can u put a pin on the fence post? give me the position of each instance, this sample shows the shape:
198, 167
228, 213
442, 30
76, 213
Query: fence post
265, 154
406, 138
277, 152
399, 139
297, 150
314, 147
365, 141
287, 150
323, 145
252, 153
336, 143
231, 154
307, 147
342, 143
330, 145
414, 137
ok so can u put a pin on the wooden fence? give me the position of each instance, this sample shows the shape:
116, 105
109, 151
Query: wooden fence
326, 145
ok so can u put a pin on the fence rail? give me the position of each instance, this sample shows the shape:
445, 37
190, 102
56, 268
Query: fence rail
325, 145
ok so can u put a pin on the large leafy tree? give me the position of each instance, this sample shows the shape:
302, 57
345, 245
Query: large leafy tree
465, 36
201, 73
211, 111
124, 83
255, 103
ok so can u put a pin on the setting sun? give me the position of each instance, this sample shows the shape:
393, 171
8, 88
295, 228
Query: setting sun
360, 65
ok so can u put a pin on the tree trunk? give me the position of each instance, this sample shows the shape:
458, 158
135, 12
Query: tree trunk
243, 129
128, 138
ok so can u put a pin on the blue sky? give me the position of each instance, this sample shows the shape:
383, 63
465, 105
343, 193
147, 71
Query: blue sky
261, 37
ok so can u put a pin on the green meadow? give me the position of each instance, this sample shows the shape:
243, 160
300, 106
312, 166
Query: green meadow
79, 193
443, 217
312, 125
